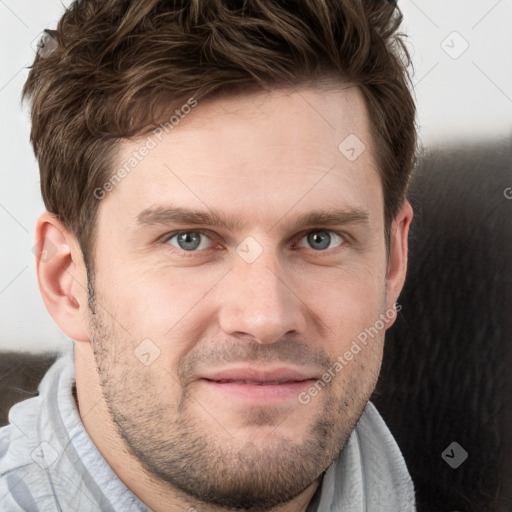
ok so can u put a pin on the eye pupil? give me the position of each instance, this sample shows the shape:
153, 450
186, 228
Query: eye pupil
189, 241
319, 240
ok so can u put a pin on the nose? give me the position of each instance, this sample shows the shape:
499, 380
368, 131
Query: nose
259, 300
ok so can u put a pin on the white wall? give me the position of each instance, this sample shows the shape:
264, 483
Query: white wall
463, 96
468, 94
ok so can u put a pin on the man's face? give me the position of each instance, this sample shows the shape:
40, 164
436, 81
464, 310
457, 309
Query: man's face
238, 321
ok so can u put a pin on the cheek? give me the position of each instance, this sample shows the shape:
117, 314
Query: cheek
348, 305
346, 301
162, 303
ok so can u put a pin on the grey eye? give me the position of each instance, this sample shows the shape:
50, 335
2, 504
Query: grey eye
320, 240
189, 241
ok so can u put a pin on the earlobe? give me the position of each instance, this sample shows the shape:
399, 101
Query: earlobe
397, 265
61, 276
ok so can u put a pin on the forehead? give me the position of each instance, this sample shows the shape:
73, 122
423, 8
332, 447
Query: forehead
256, 155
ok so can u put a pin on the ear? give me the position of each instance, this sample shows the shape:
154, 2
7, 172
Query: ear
62, 276
397, 264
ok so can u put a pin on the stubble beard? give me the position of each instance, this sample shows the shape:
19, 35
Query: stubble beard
180, 451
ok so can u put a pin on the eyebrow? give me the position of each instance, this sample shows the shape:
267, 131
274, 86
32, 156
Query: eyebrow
165, 215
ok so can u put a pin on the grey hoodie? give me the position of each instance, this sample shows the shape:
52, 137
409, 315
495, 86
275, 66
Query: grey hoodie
49, 463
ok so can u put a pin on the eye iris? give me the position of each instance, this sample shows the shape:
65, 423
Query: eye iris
319, 240
189, 241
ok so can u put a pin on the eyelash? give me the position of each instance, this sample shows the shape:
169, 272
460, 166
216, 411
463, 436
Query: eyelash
206, 233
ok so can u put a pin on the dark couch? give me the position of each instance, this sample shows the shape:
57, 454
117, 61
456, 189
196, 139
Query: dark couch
447, 370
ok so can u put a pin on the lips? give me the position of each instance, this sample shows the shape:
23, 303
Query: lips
257, 376
262, 387
265, 383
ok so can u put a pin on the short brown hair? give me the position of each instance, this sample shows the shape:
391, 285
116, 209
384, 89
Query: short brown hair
119, 64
